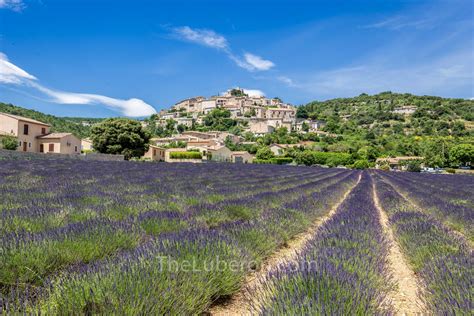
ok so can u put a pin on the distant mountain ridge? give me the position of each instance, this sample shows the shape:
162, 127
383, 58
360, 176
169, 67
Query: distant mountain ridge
76, 125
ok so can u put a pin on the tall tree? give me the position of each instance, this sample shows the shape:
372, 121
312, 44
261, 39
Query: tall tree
462, 154
120, 136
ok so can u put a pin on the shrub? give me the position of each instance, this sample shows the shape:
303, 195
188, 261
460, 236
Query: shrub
414, 166
385, 167
450, 170
361, 164
264, 153
9, 143
185, 155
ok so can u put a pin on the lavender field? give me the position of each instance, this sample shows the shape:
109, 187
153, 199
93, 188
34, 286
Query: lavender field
82, 237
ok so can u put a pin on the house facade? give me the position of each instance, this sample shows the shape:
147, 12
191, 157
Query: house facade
241, 157
155, 153
36, 136
59, 143
219, 154
25, 130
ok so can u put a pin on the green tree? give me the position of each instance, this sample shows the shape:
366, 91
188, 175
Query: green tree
170, 123
305, 127
462, 154
237, 93
120, 136
9, 143
219, 119
301, 112
264, 153
435, 151
181, 128
367, 153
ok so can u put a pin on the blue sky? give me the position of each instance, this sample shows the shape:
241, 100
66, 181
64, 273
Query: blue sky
109, 58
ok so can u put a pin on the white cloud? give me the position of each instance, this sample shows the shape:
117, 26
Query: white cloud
257, 62
201, 36
15, 5
254, 93
11, 74
214, 40
131, 107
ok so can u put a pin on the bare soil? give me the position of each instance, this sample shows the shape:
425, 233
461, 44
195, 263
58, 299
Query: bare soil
240, 303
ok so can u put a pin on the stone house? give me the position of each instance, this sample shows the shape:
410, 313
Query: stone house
59, 143
241, 157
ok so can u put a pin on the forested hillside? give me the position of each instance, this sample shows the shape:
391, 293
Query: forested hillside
393, 124
394, 113
78, 126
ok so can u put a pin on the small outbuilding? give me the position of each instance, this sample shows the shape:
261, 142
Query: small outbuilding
241, 157
59, 143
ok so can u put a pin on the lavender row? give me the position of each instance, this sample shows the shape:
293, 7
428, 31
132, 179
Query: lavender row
342, 271
444, 204
442, 260
50, 270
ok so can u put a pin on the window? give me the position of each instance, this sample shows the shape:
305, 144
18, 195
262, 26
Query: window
51, 147
41, 148
25, 129
75, 149
43, 130
29, 145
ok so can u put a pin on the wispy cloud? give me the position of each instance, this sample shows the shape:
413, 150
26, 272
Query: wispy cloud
286, 80
12, 74
9, 73
15, 5
201, 36
399, 22
210, 38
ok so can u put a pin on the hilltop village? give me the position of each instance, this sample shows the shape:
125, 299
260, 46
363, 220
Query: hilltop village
235, 113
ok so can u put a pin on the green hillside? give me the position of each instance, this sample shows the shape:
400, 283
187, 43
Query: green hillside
383, 114
393, 124
78, 126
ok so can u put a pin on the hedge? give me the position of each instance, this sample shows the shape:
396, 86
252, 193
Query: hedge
261, 161
281, 160
275, 161
185, 155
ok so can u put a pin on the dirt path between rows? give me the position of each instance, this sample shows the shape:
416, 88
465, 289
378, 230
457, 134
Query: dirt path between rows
405, 297
240, 304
